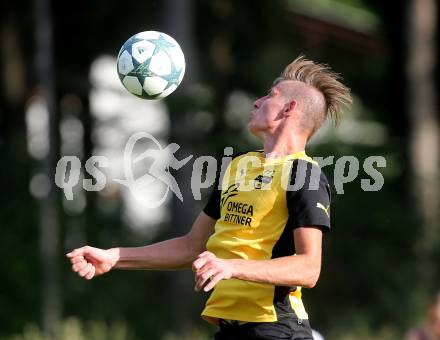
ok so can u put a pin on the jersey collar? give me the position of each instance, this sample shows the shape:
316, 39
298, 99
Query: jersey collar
296, 155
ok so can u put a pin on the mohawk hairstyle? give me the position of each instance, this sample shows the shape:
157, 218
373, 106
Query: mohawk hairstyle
322, 78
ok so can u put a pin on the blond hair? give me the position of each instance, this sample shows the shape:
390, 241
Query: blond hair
323, 79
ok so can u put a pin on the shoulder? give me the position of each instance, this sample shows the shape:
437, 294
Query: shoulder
306, 174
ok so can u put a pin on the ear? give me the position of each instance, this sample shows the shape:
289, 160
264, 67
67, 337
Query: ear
290, 107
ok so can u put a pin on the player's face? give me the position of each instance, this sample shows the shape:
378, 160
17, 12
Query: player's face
267, 113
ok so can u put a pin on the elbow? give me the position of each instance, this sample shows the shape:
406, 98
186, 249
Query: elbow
312, 277
311, 282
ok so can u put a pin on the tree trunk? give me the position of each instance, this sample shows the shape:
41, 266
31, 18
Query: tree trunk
178, 19
424, 129
48, 214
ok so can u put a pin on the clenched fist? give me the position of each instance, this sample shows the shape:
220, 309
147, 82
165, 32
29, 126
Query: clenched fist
89, 262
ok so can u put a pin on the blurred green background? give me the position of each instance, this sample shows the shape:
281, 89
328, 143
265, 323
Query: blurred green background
60, 96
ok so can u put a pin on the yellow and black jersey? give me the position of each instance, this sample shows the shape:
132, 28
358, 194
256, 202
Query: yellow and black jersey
257, 203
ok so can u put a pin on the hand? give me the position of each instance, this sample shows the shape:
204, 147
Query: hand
89, 262
208, 267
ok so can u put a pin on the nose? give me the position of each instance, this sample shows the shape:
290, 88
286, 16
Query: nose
257, 103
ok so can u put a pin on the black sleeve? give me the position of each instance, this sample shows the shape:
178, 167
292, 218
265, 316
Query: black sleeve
308, 198
212, 208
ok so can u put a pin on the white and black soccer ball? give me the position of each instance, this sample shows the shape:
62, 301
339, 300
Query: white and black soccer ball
151, 65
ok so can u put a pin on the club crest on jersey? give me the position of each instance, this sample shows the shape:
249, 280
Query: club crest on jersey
262, 180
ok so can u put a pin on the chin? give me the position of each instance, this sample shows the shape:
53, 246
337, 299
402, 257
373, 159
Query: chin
251, 127
254, 130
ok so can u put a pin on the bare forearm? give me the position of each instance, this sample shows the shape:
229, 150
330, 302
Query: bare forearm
297, 270
174, 253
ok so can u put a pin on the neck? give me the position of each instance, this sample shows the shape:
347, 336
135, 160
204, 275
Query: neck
280, 145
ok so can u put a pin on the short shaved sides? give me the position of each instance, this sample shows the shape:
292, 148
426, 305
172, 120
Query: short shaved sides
323, 79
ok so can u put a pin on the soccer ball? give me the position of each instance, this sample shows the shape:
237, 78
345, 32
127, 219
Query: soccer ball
151, 65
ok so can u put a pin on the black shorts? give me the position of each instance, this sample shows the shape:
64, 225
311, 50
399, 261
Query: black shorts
289, 327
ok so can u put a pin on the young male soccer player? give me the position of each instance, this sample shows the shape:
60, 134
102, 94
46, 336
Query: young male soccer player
259, 238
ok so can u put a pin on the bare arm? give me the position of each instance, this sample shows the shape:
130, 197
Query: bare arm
174, 253
302, 269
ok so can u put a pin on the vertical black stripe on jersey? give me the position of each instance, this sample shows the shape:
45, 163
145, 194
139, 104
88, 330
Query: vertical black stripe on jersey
285, 246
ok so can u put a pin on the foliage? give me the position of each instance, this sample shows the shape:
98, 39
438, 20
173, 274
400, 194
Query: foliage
74, 329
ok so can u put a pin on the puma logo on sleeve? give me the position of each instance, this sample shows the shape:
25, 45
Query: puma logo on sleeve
326, 210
